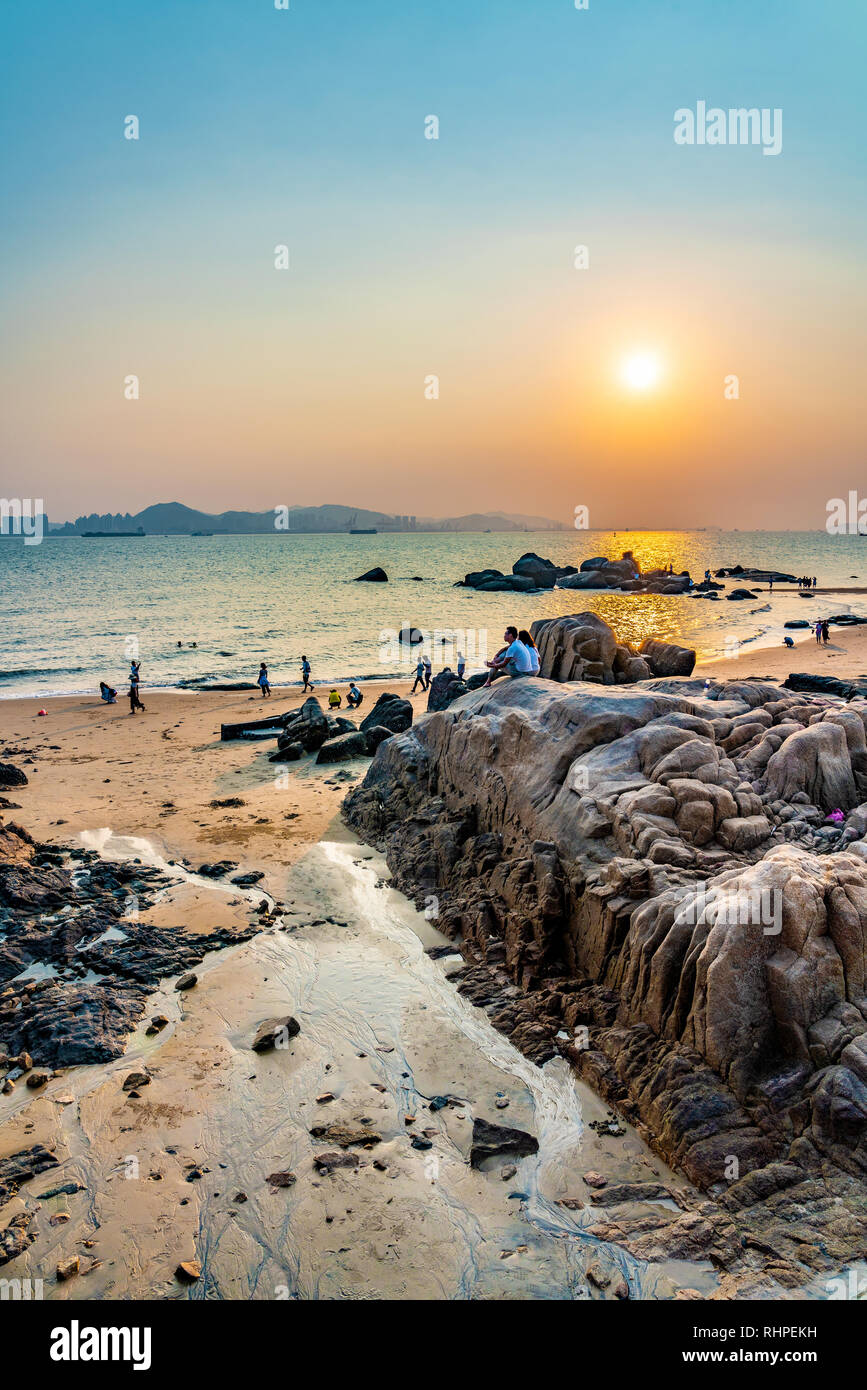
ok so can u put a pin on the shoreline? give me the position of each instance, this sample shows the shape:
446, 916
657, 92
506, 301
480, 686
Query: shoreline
761, 643
847, 650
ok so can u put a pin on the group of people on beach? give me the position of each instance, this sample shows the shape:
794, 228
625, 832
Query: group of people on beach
807, 582
108, 694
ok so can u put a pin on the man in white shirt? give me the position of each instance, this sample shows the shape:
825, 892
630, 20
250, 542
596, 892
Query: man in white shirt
512, 660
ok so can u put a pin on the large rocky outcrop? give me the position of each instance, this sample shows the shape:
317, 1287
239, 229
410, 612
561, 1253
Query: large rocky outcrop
652, 868
626, 576
582, 646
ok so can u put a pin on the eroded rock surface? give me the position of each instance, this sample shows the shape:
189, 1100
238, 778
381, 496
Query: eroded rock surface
642, 878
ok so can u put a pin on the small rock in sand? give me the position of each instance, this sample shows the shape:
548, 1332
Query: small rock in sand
188, 1271
67, 1268
285, 1179
275, 1032
187, 982
594, 1179
136, 1079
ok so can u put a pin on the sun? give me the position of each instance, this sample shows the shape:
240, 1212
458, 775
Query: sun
641, 371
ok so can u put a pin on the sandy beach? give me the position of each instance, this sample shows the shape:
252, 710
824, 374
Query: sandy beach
382, 1031
162, 774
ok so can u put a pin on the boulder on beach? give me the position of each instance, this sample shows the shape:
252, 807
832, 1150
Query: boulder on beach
376, 735
390, 712
444, 688
410, 636
583, 647
374, 576
338, 750
308, 727
11, 776
667, 659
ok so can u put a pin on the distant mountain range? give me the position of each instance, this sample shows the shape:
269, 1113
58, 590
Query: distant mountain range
175, 519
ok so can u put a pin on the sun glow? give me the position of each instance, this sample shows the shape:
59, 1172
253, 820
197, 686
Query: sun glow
641, 371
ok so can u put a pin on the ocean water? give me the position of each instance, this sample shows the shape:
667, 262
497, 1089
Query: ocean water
72, 611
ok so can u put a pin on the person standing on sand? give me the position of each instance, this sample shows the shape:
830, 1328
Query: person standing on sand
428, 671
826, 635
305, 671
134, 701
818, 632
263, 682
419, 676
462, 665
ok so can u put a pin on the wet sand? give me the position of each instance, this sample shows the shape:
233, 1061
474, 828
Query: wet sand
383, 1032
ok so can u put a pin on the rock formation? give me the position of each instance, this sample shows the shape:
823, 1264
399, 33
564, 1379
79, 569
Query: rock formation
69, 1016
642, 879
581, 646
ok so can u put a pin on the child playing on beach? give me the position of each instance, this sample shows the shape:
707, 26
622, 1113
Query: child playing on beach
107, 694
334, 699
263, 682
305, 671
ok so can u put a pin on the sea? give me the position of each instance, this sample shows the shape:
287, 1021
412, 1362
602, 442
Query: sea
204, 610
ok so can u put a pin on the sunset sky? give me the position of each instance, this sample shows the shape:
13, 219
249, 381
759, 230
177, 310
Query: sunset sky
453, 257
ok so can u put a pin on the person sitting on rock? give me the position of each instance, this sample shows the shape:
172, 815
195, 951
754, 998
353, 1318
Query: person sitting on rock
355, 697
334, 699
511, 660
535, 659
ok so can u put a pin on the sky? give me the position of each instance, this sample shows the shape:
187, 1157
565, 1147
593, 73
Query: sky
605, 385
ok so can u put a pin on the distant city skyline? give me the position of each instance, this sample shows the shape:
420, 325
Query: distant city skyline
435, 260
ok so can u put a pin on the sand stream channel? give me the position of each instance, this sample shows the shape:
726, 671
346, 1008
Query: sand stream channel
383, 1031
